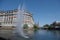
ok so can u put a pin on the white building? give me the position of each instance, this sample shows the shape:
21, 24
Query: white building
8, 18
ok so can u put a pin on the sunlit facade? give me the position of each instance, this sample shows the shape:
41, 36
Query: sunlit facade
9, 18
28, 19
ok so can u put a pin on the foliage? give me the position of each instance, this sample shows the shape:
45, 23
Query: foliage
35, 27
54, 25
25, 26
46, 25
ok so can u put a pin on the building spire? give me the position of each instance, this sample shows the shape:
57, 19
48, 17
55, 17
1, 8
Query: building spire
38, 23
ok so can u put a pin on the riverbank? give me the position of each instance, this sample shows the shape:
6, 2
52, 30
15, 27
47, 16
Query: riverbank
51, 28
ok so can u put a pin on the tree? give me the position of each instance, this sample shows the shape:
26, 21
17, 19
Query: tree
35, 27
25, 26
46, 25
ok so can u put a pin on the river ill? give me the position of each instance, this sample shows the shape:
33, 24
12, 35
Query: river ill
38, 35
47, 35
43, 35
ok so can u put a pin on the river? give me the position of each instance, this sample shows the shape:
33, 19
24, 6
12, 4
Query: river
47, 35
42, 35
38, 35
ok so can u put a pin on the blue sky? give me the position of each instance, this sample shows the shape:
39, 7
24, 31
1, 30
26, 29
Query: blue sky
43, 11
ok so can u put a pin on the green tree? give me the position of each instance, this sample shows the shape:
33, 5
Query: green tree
46, 25
25, 26
35, 27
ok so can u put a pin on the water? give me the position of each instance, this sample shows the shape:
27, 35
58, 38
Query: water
47, 35
38, 35
42, 35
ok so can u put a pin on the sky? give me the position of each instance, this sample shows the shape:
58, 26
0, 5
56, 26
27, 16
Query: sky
43, 11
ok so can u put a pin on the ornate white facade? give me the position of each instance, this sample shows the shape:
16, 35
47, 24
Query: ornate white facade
8, 18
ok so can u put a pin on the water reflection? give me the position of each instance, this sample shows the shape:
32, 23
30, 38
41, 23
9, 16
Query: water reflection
18, 37
38, 35
29, 33
47, 35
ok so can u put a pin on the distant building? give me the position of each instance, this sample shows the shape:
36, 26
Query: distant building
56, 24
8, 18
